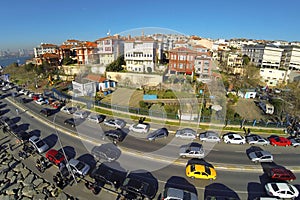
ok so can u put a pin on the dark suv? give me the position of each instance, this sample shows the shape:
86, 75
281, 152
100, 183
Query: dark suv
46, 111
281, 174
116, 135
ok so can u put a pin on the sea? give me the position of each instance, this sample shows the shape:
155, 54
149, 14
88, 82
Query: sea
8, 61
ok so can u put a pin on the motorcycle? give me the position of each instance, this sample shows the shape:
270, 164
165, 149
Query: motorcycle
40, 166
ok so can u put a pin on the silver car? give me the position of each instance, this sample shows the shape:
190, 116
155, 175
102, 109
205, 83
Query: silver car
38, 144
78, 167
115, 123
209, 136
260, 156
295, 141
258, 140
192, 150
186, 133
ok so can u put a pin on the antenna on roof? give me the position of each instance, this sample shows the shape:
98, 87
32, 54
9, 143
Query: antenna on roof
108, 33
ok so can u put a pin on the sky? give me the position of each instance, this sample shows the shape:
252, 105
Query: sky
27, 24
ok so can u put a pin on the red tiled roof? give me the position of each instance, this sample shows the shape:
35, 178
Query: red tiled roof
50, 55
94, 77
48, 45
182, 49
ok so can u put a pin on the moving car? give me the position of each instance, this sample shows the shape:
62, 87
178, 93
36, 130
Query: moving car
171, 193
38, 144
78, 167
159, 133
191, 150
116, 135
96, 118
256, 139
200, 171
54, 156
140, 128
260, 156
281, 190
281, 174
280, 141
234, 138
70, 122
105, 153
40, 101
68, 110
209, 136
186, 133
115, 123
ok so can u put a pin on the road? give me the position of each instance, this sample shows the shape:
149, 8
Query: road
245, 184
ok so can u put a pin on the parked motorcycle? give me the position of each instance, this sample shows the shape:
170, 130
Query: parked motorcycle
94, 187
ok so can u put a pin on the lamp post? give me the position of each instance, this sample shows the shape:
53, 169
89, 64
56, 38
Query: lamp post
67, 161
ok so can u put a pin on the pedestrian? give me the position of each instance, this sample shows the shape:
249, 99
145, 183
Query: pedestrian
17, 111
245, 130
248, 131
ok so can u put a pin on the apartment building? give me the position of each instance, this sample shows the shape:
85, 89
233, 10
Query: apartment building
181, 60
109, 49
45, 48
87, 53
203, 66
140, 54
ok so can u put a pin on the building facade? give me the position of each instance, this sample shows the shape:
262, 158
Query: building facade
45, 48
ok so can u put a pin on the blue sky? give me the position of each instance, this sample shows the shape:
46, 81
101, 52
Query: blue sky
25, 24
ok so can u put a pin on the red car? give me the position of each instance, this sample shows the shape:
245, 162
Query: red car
280, 141
54, 156
281, 174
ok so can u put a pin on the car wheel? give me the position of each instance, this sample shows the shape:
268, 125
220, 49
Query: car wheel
241, 143
193, 177
274, 145
228, 142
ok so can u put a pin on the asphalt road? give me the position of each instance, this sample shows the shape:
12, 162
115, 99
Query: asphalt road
244, 184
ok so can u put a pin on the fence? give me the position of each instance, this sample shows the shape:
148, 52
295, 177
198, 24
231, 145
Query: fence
172, 116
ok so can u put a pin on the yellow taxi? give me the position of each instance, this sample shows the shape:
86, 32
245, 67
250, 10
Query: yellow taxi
200, 171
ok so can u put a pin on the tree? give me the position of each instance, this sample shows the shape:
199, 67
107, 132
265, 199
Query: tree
251, 75
246, 60
68, 61
29, 67
116, 66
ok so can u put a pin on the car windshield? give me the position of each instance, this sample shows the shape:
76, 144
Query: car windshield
59, 155
258, 154
40, 144
207, 169
80, 166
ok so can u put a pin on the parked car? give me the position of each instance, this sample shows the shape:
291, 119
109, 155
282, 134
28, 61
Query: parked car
159, 133
281, 190
139, 186
281, 174
191, 150
73, 121
105, 153
56, 104
234, 138
46, 111
80, 114
171, 193
96, 118
209, 136
260, 156
116, 135
140, 128
200, 171
115, 123
55, 157
78, 167
68, 110
295, 142
186, 133
280, 141
257, 140
108, 175
38, 144
23, 135
40, 101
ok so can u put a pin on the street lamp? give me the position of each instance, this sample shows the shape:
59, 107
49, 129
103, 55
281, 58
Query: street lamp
68, 166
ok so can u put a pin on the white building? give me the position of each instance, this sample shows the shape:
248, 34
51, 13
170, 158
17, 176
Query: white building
140, 54
272, 77
110, 48
45, 48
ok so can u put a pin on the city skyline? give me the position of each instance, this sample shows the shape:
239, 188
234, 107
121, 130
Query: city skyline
28, 23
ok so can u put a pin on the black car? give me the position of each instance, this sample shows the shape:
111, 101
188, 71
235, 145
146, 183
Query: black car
116, 135
46, 111
138, 186
23, 135
159, 133
108, 175
73, 121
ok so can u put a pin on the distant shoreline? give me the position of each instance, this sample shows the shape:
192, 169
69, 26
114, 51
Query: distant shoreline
10, 60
